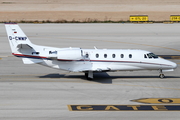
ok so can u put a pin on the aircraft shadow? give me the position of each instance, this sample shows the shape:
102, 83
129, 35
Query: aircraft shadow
102, 77
55, 75
98, 77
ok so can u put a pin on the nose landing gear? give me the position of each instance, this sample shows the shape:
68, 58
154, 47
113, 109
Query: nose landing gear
161, 74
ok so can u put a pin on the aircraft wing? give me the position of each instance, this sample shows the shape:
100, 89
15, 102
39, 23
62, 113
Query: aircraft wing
90, 67
94, 70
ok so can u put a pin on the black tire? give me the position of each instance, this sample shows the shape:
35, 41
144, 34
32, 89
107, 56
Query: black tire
86, 75
161, 76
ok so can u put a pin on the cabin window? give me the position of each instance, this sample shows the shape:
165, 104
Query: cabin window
81, 53
153, 55
122, 55
113, 55
130, 55
149, 55
105, 55
87, 55
97, 55
145, 56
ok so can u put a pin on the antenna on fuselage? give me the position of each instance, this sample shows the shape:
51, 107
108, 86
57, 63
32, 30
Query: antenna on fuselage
95, 47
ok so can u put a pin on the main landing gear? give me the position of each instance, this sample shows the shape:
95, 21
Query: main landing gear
89, 75
161, 74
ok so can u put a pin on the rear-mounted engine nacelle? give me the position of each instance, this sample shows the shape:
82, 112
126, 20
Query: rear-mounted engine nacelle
74, 54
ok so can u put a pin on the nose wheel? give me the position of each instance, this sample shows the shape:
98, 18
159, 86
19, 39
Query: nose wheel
161, 74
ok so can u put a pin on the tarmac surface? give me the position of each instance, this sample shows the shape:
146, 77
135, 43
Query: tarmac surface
36, 92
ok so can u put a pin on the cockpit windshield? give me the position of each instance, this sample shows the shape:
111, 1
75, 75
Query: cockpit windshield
152, 55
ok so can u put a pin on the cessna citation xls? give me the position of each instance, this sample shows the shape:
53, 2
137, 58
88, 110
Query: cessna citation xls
84, 60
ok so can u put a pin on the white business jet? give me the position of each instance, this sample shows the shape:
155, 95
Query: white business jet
84, 60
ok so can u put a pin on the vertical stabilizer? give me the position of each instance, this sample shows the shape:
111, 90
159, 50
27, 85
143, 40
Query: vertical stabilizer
17, 38
20, 45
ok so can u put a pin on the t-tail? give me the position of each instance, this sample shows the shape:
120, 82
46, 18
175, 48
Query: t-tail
20, 45
17, 39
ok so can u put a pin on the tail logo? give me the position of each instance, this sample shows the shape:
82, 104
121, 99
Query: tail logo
17, 38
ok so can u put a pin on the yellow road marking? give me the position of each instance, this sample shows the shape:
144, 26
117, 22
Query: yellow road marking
175, 57
159, 100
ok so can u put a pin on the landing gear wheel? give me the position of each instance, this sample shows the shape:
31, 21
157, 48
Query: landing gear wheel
86, 75
88, 78
161, 76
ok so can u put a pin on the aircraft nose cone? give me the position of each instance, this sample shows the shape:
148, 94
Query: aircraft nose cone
169, 65
174, 65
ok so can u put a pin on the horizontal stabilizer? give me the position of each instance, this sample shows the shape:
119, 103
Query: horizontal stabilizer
31, 60
24, 46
